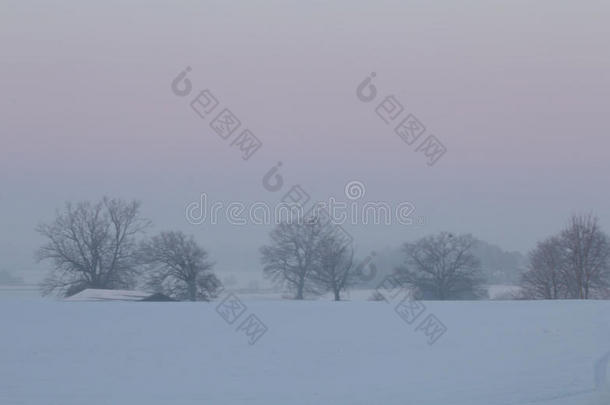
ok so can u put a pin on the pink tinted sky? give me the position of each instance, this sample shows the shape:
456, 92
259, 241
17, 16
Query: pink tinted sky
517, 91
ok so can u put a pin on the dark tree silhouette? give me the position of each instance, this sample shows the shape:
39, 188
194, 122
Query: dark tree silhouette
544, 278
179, 268
573, 264
291, 257
442, 267
92, 245
587, 256
334, 270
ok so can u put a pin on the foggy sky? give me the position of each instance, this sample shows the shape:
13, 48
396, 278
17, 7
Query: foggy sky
517, 91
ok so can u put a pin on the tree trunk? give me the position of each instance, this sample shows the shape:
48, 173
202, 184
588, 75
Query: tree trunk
300, 288
192, 291
299, 295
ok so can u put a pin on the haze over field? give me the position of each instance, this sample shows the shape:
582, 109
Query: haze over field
517, 92
304, 202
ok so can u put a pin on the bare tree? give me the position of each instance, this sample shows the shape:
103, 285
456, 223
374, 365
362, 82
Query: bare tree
587, 256
442, 267
290, 259
178, 267
334, 270
92, 245
544, 278
573, 264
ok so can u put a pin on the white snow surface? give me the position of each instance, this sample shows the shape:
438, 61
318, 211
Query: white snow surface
314, 352
92, 294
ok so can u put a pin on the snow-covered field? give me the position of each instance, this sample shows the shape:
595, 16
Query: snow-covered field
314, 352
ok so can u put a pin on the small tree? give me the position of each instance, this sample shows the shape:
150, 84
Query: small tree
291, 258
92, 245
587, 256
442, 267
334, 270
179, 267
544, 278
573, 264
